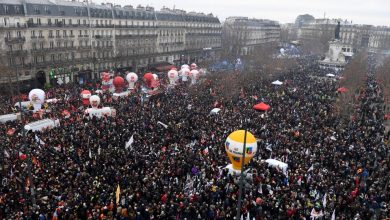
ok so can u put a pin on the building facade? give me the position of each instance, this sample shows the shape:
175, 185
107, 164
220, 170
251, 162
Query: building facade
242, 35
46, 39
373, 38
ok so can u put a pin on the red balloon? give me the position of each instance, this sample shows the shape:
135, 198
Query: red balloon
118, 82
148, 79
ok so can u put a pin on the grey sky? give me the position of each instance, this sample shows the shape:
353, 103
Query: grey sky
376, 12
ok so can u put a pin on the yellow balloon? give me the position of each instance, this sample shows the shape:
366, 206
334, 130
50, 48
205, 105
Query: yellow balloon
234, 146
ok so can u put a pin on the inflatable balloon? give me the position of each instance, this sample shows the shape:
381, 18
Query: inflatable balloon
185, 74
37, 98
234, 146
106, 81
148, 79
131, 78
119, 83
185, 66
94, 101
193, 66
155, 77
85, 95
172, 76
194, 74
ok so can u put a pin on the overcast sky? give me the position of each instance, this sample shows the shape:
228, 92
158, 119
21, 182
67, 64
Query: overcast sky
376, 12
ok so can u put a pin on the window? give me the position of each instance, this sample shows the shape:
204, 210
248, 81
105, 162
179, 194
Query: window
32, 34
78, 21
51, 44
38, 21
66, 44
64, 33
34, 46
41, 45
70, 21
36, 10
10, 47
6, 9
49, 21
52, 57
17, 10
19, 34
40, 34
58, 44
50, 33
57, 33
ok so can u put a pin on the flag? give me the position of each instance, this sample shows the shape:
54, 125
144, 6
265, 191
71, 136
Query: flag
333, 215
164, 125
38, 140
130, 142
11, 131
206, 151
22, 156
58, 148
6, 154
324, 201
311, 168
117, 194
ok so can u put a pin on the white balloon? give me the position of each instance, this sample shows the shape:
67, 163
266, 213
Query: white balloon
132, 77
37, 96
185, 66
94, 100
173, 74
155, 76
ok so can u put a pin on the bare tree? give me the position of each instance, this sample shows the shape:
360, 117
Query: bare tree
235, 35
383, 76
7, 76
353, 79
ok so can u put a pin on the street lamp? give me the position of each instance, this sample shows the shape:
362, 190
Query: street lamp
29, 156
241, 177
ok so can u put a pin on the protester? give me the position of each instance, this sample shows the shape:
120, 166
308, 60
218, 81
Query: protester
173, 167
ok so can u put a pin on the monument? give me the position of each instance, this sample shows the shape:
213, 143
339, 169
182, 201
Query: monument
338, 54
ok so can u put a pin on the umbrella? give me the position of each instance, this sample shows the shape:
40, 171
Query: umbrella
277, 82
261, 107
342, 89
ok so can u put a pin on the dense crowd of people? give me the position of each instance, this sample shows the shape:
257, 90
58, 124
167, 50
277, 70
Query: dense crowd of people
335, 168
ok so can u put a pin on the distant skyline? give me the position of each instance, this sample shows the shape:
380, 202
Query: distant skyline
374, 12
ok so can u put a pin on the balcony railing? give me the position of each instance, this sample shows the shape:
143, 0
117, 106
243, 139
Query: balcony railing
11, 40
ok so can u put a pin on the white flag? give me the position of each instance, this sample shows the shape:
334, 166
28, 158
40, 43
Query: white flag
164, 125
333, 215
37, 139
6, 154
324, 201
311, 168
130, 142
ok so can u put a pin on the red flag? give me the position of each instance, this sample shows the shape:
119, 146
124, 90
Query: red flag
22, 156
11, 131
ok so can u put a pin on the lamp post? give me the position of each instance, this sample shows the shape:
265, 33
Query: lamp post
241, 178
29, 165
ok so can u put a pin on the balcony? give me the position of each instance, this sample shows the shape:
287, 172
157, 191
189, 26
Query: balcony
17, 53
102, 36
14, 40
143, 36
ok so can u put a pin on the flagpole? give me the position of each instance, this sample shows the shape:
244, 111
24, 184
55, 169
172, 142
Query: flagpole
241, 179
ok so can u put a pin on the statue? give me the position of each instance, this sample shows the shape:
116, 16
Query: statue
337, 31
